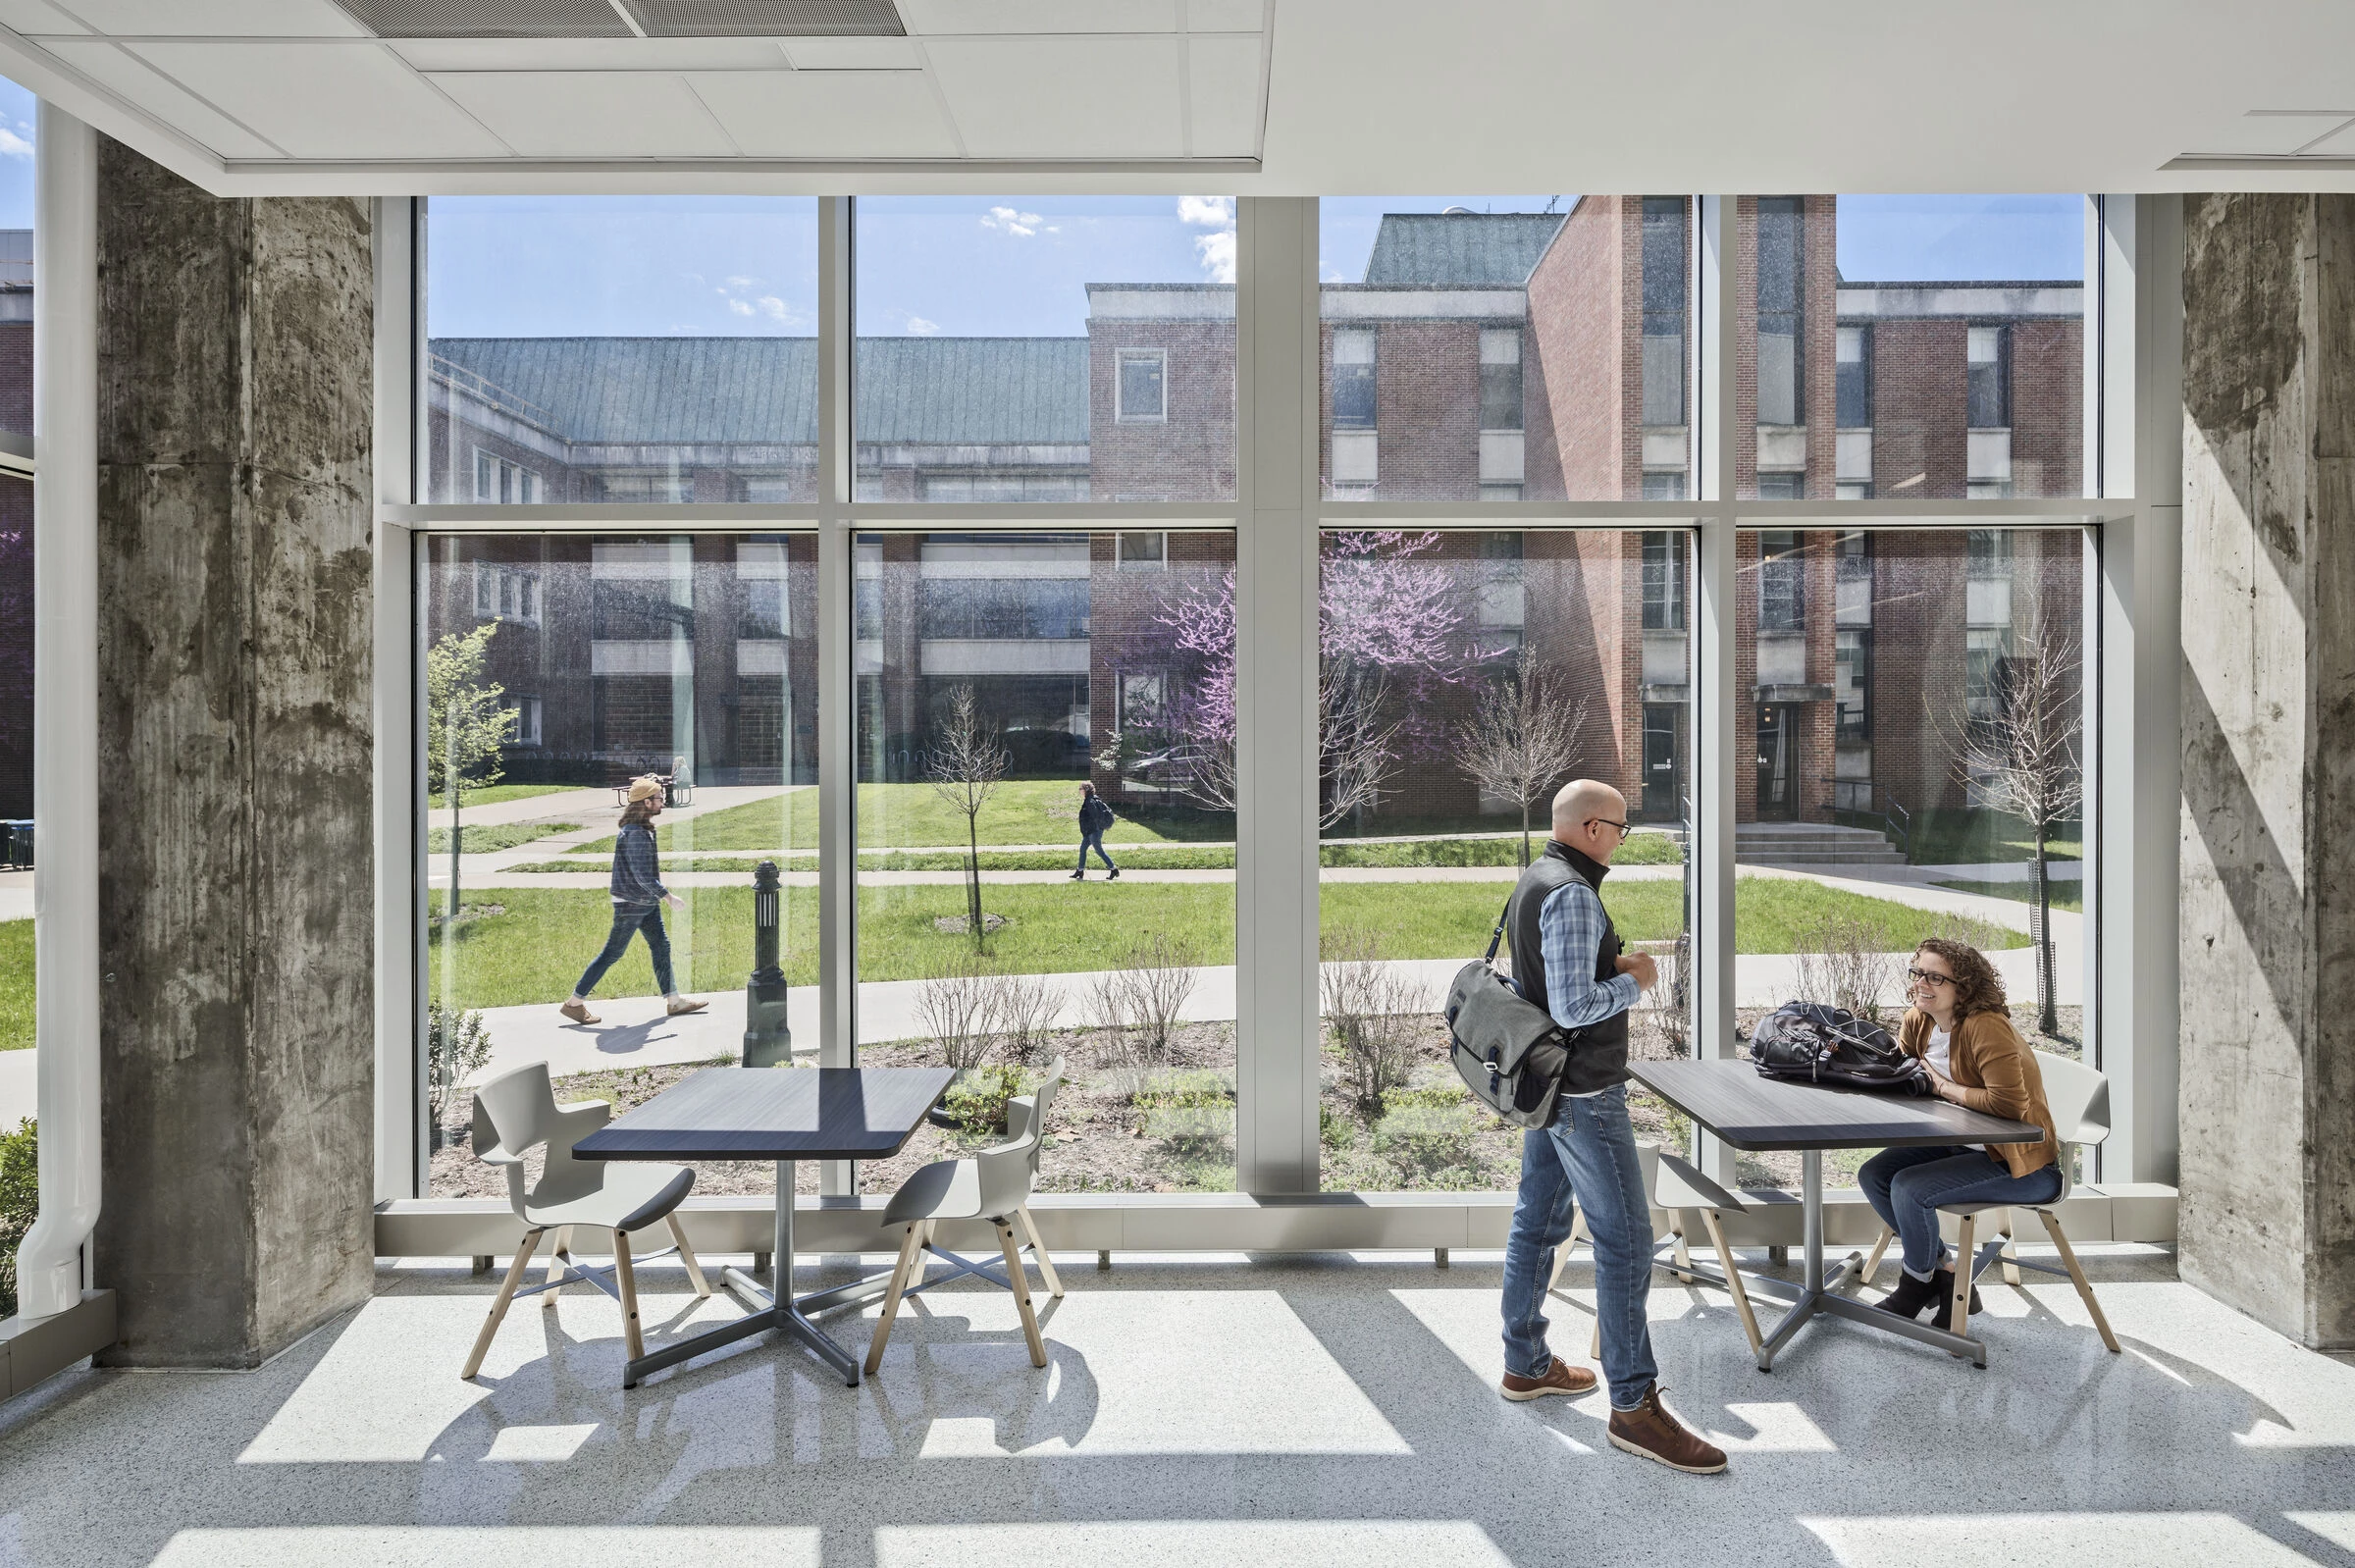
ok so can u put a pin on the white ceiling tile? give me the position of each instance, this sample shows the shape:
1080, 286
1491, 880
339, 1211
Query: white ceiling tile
852, 54
1224, 16
2259, 133
589, 114
133, 81
326, 100
1062, 98
588, 54
218, 18
36, 17
829, 114
951, 17
1224, 76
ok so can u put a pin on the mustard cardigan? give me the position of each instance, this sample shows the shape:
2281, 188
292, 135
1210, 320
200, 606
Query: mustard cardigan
1996, 1072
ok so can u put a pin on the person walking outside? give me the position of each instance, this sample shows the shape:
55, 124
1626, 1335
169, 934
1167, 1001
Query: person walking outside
1095, 820
638, 898
1567, 960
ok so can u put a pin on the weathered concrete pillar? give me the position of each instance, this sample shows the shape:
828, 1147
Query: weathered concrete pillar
237, 919
2267, 989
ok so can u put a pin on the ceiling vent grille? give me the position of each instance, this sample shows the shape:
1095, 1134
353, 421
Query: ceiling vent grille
764, 18
487, 18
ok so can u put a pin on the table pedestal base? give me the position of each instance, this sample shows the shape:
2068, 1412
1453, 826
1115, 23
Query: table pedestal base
776, 1308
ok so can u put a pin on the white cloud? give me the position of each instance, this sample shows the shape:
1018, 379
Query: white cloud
13, 145
776, 309
1007, 221
921, 328
742, 283
1211, 211
740, 307
1218, 255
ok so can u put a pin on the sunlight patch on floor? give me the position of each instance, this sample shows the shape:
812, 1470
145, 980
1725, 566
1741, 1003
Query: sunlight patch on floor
1192, 1544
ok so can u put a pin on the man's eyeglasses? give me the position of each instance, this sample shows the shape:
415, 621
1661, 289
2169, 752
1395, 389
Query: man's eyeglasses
1608, 822
1925, 978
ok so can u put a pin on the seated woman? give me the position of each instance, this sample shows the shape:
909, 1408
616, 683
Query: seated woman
1961, 1027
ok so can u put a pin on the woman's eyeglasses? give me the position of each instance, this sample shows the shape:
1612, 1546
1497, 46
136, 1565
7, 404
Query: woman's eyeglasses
1925, 978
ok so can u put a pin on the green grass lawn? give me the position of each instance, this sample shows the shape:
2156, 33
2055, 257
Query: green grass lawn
901, 816
534, 949
1141, 857
16, 984
481, 840
2065, 895
1959, 837
493, 794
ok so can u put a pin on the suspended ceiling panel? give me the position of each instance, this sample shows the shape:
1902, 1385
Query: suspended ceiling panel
604, 114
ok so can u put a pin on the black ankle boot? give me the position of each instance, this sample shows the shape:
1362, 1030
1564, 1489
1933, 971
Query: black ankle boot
1912, 1295
1943, 1284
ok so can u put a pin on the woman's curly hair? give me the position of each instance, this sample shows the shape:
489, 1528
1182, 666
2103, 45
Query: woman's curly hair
1978, 987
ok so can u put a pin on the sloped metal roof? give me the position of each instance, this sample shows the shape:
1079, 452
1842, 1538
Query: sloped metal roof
1460, 249
763, 390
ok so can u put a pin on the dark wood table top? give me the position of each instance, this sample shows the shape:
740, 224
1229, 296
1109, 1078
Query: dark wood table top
1730, 1098
774, 1113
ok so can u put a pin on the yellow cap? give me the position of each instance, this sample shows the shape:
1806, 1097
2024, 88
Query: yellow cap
644, 789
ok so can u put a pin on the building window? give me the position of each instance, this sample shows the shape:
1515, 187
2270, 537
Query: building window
1782, 487
1664, 310
1663, 580
1852, 579
1782, 255
1141, 393
1664, 486
523, 722
1782, 582
1353, 379
1851, 376
1990, 389
508, 484
1500, 378
1144, 552
1852, 683
1138, 703
1984, 671
509, 593
1990, 554
1499, 492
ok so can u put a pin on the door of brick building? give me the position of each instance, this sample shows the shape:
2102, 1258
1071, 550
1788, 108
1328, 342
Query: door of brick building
1778, 762
1662, 789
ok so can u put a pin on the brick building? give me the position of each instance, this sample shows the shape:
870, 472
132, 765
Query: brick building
1481, 357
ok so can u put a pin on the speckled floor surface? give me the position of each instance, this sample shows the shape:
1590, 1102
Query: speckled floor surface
1197, 1414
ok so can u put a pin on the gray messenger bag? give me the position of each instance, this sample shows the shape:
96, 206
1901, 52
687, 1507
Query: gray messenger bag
1509, 1053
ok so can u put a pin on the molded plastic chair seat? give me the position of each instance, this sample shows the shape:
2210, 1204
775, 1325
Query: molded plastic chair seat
993, 1186
643, 1193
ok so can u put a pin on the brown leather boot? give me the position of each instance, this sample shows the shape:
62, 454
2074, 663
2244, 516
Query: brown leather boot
1650, 1430
1560, 1378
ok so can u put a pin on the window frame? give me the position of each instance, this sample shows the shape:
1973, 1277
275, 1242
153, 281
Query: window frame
1122, 358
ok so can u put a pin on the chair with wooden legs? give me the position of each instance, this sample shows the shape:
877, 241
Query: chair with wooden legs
517, 1111
1680, 1189
2078, 1097
994, 1185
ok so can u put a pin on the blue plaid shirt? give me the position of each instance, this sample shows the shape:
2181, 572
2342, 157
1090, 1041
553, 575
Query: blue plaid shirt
1570, 937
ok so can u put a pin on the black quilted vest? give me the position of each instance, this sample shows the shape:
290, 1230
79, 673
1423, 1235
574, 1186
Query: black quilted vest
1598, 1052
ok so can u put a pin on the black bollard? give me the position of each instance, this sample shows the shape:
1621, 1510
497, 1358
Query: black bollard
767, 1039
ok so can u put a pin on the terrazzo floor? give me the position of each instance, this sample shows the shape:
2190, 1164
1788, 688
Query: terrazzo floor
1198, 1412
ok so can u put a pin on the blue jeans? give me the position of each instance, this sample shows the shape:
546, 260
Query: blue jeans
1907, 1186
1589, 1154
1095, 841
629, 917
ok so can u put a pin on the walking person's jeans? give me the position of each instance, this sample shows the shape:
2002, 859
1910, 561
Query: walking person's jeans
1589, 1154
1095, 841
627, 918
1907, 1186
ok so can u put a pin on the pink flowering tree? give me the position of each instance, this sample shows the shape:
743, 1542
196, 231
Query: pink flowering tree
1391, 629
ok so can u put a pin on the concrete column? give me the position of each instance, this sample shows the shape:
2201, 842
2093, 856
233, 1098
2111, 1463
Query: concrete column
2267, 928
234, 651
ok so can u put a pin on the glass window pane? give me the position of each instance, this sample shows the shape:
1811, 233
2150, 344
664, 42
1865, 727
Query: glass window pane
559, 667
1915, 700
17, 112
1467, 677
999, 678
621, 349
1506, 347
1920, 348
1045, 349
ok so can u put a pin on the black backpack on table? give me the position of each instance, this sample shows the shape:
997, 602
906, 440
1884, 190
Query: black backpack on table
1811, 1043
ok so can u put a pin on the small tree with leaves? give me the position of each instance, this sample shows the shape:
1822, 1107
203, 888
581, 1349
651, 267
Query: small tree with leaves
1521, 738
467, 723
965, 769
2021, 755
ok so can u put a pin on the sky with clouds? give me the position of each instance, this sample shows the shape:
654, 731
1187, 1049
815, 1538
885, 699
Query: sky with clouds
16, 156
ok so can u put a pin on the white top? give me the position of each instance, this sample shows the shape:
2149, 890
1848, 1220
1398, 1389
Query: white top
1940, 1054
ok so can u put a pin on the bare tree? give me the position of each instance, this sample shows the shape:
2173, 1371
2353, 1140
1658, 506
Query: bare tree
1358, 744
1022, 1013
1521, 738
966, 769
1841, 964
953, 1005
2021, 758
1373, 1008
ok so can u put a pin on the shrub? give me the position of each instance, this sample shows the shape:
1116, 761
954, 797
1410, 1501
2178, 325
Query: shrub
954, 1004
976, 1101
1430, 1139
1191, 1111
1136, 1006
20, 1201
457, 1045
1374, 1009
1022, 1014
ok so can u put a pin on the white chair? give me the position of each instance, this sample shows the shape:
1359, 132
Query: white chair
516, 1112
994, 1185
2078, 1097
1680, 1189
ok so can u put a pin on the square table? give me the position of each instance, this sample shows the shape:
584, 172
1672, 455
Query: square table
786, 1115
1750, 1112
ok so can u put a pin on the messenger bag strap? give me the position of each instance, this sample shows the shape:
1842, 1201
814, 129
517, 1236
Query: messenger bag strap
1498, 935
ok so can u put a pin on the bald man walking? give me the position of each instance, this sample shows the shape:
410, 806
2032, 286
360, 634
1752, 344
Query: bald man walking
1567, 960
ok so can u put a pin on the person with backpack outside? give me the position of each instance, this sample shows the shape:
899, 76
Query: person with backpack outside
638, 898
1959, 1029
1567, 959
1095, 820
